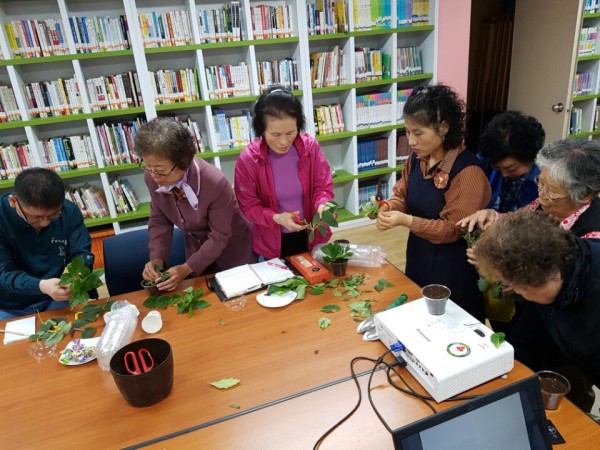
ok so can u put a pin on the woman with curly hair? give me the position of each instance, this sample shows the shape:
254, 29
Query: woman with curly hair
440, 182
508, 146
558, 274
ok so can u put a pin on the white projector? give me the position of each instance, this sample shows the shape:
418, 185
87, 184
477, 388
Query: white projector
447, 354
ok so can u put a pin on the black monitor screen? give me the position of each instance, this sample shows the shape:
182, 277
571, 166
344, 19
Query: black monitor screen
510, 418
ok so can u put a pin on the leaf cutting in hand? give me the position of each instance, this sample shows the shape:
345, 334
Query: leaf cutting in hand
225, 383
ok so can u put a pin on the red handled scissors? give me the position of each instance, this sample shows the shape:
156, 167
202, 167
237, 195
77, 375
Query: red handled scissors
140, 363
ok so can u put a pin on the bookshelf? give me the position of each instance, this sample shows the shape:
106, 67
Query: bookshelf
115, 64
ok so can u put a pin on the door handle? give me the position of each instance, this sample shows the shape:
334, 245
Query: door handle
559, 107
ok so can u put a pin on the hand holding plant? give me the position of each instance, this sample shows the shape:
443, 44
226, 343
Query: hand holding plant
81, 280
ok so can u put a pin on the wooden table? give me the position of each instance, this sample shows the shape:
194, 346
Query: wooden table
294, 383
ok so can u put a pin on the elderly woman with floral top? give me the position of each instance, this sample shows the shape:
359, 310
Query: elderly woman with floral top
441, 182
568, 188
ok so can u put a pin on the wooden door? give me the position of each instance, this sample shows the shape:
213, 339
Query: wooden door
544, 54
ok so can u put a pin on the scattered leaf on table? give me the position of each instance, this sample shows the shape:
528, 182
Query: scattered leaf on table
324, 323
330, 308
222, 322
225, 383
234, 405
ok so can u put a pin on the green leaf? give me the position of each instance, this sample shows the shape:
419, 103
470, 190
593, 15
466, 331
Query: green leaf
225, 383
337, 293
311, 235
315, 291
202, 304
330, 308
333, 283
329, 219
301, 292
497, 339
150, 302
234, 405
324, 323
482, 285
88, 332
378, 287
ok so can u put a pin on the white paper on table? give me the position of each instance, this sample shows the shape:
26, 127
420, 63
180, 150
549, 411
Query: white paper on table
25, 326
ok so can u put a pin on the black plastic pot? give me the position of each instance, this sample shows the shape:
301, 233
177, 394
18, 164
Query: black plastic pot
147, 388
339, 268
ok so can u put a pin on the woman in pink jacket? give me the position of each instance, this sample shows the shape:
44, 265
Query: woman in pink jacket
282, 176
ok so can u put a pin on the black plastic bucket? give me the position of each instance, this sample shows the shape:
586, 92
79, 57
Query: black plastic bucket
148, 388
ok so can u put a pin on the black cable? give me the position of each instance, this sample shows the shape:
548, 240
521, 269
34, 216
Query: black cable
379, 361
376, 363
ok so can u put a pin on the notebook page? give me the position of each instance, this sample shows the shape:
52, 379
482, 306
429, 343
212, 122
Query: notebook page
238, 280
272, 271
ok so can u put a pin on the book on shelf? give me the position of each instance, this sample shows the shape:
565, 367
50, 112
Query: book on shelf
99, 33
250, 277
124, 197
33, 38
9, 110
116, 141
14, 158
221, 25
167, 29
272, 22
402, 149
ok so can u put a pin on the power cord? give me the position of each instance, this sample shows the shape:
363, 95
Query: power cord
376, 363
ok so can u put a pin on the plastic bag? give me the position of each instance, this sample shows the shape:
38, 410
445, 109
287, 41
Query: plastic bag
363, 255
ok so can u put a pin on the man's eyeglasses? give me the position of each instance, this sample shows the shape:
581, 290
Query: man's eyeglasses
153, 171
543, 192
32, 220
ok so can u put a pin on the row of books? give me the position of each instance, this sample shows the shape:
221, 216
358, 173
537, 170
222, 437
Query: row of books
403, 149
372, 153
327, 68
591, 6
409, 61
172, 86
34, 38
233, 131
368, 189
373, 110
576, 120
9, 110
402, 96
227, 80
14, 158
369, 64
221, 25
327, 17
53, 98
582, 84
372, 14
112, 92
68, 152
123, 196
90, 200
99, 33
116, 141
166, 29
588, 37
272, 22
284, 72
329, 119
412, 12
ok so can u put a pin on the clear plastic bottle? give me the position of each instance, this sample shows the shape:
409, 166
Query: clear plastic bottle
117, 333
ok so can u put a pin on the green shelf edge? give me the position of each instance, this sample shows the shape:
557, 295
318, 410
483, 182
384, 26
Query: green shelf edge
59, 58
591, 15
375, 32
142, 213
588, 58
345, 216
581, 98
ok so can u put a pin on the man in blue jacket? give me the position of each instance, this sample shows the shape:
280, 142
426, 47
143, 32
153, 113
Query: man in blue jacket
40, 233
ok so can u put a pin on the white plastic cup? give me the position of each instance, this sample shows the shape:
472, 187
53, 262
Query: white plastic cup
152, 323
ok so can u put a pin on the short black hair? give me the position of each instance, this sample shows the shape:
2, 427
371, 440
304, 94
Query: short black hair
431, 105
277, 101
41, 188
512, 134
166, 138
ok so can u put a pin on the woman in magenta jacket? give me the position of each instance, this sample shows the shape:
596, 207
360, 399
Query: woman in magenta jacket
282, 176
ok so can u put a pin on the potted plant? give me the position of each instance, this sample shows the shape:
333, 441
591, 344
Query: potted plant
150, 285
337, 255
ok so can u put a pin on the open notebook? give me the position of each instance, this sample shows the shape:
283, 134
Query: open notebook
250, 277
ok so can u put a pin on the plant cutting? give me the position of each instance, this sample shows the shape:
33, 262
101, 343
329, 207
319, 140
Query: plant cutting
150, 285
189, 302
320, 222
81, 280
371, 209
337, 255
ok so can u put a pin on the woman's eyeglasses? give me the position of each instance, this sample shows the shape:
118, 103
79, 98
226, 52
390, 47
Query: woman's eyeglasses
32, 220
543, 192
153, 171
